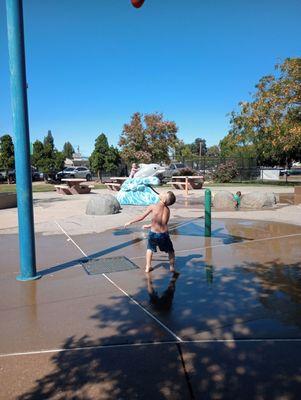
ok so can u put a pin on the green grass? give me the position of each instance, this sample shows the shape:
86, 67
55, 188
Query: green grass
45, 187
99, 186
4, 188
39, 187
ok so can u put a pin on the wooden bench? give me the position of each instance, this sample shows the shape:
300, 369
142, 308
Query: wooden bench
113, 186
86, 184
81, 188
186, 182
297, 194
178, 185
62, 189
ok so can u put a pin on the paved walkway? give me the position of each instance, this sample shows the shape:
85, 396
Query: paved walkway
51, 207
228, 327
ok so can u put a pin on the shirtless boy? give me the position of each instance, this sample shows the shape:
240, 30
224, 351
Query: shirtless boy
158, 235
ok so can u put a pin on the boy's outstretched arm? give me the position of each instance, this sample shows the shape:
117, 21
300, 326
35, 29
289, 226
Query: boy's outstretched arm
141, 218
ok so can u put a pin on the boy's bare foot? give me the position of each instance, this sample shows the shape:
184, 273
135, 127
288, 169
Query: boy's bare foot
148, 269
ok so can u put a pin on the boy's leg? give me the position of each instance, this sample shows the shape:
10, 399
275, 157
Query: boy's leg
149, 256
172, 260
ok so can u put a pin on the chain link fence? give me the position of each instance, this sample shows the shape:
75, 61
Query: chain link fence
247, 168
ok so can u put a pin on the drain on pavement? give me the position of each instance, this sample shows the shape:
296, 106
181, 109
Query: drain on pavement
108, 265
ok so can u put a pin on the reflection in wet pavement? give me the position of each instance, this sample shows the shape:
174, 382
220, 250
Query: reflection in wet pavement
226, 288
235, 290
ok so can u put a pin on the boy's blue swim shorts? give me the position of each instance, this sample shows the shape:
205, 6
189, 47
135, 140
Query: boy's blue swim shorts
161, 240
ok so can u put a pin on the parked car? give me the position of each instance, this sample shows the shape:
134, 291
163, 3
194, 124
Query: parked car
172, 169
36, 175
74, 172
12, 176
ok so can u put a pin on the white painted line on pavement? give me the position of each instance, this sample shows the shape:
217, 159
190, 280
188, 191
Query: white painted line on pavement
70, 239
124, 292
178, 339
155, 343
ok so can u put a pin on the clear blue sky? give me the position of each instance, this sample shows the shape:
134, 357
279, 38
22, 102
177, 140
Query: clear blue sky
92, 64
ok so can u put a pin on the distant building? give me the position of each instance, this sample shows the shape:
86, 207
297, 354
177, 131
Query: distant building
77, 160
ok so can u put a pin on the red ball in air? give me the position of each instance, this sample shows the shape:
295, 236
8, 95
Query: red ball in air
137, 3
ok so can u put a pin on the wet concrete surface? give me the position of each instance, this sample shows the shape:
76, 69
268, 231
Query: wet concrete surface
235, 290
104, 374
244, 370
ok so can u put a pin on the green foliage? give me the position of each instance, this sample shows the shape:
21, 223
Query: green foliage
147, 138
59, 160
190, 151
46, 158
270, 125
199, 147
68, 150
183, 151
7, 158
103, 157
229, 147
225, 172
48, 145
37, 157
213, 151
112, 159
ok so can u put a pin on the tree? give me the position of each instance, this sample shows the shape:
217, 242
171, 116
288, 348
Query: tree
147, 138
59, 160
68, 150
199, 147
213, 151
270, 125
112, 159
38, 154
103, 157
229, 147
49, 144
183, 151
46, 157
7, 157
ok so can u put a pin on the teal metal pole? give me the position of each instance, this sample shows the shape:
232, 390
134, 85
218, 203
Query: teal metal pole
22, 145
208, 213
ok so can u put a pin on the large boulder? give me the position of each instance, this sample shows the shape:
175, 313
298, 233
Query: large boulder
258, 200
8, 200
223, 200
104, 204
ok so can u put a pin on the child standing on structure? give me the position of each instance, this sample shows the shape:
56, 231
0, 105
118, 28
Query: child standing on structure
237, 199
158, 235
134, 169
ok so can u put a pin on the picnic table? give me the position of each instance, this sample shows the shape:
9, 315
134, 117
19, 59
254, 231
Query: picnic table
116, 183
74, 186
187, 182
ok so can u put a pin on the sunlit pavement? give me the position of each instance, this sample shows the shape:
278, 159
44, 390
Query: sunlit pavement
228, 327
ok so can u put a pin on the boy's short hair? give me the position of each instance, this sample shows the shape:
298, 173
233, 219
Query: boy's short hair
170, 198
238, 193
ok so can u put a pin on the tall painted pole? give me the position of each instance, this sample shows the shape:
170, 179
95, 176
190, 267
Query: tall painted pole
207, 213
22, 145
